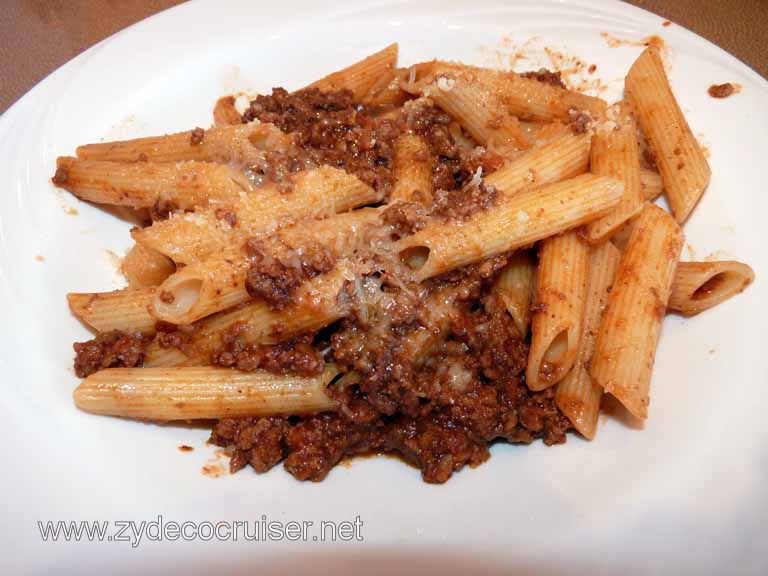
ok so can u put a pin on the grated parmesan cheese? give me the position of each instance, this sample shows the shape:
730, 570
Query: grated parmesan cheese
445, 84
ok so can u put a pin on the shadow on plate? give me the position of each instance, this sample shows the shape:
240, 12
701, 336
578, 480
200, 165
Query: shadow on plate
437, 562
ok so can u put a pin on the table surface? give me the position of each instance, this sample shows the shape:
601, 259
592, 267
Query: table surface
38, 36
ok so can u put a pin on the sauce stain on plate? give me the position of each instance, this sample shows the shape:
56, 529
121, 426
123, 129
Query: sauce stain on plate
213, 470
129, 127
614, 42
647, 41
535, 53
232, 81
214, 467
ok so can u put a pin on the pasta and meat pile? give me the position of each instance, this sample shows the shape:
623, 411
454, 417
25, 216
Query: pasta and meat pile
416, 261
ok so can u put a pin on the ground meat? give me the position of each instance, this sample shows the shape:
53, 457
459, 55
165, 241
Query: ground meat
471, 281
435, 396
167, 297
721, 90
60, 177
437, 447
332, 129
579, 121
279, 166
453, 166
432, 124
484, 159
173, 336
296, 356
405, 218
494, 341
227, 216
649, 155
196, 136
109, 350
270, 278
464, 203
546, 76
259, 442
468, 392
539, 414
375, 344
318, 443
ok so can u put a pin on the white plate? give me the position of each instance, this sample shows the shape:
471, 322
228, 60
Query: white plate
686, 494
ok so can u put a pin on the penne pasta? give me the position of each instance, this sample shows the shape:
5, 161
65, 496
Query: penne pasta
563, 157
699, 286
651, 185
126, 310
477, 108
196, 393
577, 396
514, 286
144, 267
225, 113
683, 167
615, 153
626, 343
361, 76
525, 98
386, 93
219, 282
620, 238
528, 98
183, 185
316, 304
413, 171
315, 193
354, 269
516, 221
561, 289
239, 144
539, 133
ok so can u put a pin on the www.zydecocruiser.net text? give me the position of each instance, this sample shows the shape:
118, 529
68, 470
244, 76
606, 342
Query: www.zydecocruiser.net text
262, 530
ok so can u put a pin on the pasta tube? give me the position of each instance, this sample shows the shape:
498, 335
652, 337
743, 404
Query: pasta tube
219, 282
514, 286
184, 185
699, 286
477, 108
629, 332
516, 221
316, 193
578, 397
561, 288
615, 153
563, 157
241, 144
317, 303
361, 76
126, 310
144, 267
682, 164
413, 171
197, 393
